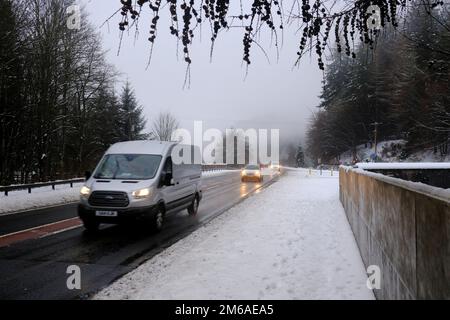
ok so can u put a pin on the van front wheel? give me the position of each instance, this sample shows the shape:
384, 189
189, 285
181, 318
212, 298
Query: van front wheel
158, 219
193, 208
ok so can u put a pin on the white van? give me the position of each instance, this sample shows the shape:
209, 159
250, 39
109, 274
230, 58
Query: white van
141, 179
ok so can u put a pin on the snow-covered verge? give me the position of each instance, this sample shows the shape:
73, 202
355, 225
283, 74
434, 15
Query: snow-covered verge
390, 151
289, 241
39, 197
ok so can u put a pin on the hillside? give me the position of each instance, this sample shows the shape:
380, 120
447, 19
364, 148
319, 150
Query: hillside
393, 151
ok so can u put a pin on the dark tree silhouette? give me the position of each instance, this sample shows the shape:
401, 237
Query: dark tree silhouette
132, 121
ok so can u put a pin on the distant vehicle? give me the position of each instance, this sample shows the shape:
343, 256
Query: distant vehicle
275, 166
137, 179
251, 172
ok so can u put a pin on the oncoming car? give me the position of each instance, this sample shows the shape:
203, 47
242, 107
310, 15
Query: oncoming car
251, 172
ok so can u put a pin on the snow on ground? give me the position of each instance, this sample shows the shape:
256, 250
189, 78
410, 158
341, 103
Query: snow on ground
216, 172
289, 241
39, 197
390, 151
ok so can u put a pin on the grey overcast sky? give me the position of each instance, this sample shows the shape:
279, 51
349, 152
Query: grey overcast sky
273, 95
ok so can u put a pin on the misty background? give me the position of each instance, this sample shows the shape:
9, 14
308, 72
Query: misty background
272, 95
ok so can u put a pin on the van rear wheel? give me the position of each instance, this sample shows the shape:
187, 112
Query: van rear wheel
193, 208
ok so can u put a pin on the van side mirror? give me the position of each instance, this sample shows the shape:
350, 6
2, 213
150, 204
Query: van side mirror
168, 179
87, 174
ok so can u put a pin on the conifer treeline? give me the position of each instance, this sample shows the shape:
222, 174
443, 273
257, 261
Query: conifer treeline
58, 108
403, 86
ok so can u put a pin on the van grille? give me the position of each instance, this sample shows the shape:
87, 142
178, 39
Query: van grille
109, 199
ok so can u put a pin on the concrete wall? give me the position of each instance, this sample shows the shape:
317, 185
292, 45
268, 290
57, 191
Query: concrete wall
404, 228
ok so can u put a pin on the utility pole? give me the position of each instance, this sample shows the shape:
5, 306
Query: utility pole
375, 133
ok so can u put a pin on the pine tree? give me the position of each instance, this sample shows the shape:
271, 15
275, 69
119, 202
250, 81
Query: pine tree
300, 157
131, 119
105, 119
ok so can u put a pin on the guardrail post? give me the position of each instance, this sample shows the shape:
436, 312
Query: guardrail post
331, 171
6, 193
71, 184
29, 189
53, 187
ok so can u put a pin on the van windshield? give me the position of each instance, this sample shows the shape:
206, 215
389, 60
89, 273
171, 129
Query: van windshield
128, 166
252, 167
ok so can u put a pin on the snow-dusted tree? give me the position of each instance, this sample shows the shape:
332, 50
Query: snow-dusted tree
407, 97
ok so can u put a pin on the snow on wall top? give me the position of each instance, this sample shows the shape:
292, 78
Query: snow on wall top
403, 165
425, 189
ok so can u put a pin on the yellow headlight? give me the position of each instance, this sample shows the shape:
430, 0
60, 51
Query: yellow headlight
142, 193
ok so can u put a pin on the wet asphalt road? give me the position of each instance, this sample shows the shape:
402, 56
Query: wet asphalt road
36, 269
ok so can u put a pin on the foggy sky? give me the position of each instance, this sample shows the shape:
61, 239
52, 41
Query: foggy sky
274, 95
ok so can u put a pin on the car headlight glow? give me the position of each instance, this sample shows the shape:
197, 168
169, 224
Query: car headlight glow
258, 173
85, 191
142, 193
243, 172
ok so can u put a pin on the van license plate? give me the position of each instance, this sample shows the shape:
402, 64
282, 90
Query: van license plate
106, 213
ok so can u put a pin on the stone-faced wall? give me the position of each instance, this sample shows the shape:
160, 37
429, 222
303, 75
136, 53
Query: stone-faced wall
404, 228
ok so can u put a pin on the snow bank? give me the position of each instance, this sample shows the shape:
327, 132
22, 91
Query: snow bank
391, 151
289, 241
39, 197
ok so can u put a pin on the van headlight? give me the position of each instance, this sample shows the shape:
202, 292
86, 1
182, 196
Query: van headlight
142, 193
85, 191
